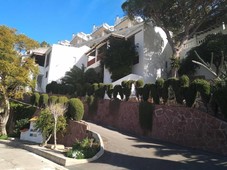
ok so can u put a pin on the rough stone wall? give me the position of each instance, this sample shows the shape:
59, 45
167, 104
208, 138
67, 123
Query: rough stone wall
75, 131
180, 125
190, 127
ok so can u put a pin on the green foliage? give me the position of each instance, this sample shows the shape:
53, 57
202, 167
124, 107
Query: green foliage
3, 137
52, 99
75, 109
119, 57
184, 81
43, 100
21, 115
45, 123
16, 70
203, 87
21, 124
139, 83
182, 18
146, 110
146, 92
35, 99
87, 148
62, 99
91, 76
154, 93
100, 92
118, 90
220, 99
214, 43
109, 90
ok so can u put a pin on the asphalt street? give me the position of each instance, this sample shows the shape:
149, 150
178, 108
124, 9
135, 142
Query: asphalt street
124, 151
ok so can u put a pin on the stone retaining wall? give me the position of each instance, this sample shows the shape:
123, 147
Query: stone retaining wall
180, 125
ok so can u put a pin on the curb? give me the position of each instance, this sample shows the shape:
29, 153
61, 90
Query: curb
58, 158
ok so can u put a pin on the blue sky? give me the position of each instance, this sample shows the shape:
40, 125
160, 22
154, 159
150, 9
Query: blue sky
55, 20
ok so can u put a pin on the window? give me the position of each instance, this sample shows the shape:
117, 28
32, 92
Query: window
46, 74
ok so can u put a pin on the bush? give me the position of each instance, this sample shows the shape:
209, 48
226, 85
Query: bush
118, 90
146, 92
52, 99
109, 90
43, 100
146, 110
139, 83
3, 137
87, 148
100, 92
75, 109
62, 99
203, 87
220, 98
35, 99
184, 81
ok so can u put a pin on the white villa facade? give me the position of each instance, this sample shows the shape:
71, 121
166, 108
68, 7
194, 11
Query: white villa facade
150, 41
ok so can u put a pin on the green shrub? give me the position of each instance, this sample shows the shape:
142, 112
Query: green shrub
3, 137
154, 93
87, 148
203, 87
118, 90
100, 92
52, 99
109, 90
146, 92
184, 81
21, 124
220, 99
146, 110
62, 99
43, 100
35, 99
139, 83
75, 109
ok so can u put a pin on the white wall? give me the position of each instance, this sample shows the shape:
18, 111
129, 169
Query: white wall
156, 53
62, 59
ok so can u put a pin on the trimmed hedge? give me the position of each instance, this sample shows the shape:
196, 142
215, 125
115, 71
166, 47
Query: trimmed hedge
35, 99
43, 100
52, 99
75, 109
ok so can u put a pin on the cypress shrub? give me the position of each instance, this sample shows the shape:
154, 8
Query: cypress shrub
154, 93
109, 90
75, 109
190, 95
43, 100
220, 98
118, 90
184, 81
35, 99
52, 99
100, 92
203, 87
139, 83
62, 100
146, 110
146, 92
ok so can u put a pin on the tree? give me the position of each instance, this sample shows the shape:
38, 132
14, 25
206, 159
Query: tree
51, 120
213, 49
44, 44
16, 72
182, 18
119, 57
56, 111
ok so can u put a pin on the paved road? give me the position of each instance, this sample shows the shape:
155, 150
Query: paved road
14, 158
124, 151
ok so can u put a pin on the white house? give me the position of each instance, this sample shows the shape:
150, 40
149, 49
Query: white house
32, 134
55, 61
150, 41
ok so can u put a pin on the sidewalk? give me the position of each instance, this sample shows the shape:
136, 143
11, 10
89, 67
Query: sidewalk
56, 156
